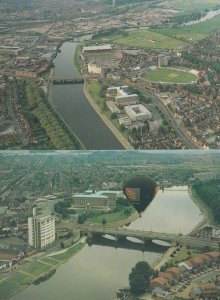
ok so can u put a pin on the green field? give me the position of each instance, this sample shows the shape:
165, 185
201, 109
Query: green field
109, 217
37, 268
70, 252
13, 284
189, 5
147, 39
181, 33
101, 57
168, 75
204, 27
50, 261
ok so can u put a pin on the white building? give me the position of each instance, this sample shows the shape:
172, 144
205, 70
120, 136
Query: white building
41, 230
163, 60
97, 200
97, 49
121, 95
137, 112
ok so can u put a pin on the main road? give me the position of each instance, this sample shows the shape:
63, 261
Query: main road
168, 114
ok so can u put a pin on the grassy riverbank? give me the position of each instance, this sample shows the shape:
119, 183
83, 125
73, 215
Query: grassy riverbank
205, 209
59, 134
208, 195
25, 275
95, 90
77, 59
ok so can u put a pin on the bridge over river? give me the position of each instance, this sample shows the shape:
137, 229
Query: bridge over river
143, 236
72, 80
146, 236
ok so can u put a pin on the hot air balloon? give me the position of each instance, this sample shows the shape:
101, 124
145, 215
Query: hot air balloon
140, 191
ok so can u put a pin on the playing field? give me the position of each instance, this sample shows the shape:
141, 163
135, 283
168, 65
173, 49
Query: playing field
148, 39
168, 75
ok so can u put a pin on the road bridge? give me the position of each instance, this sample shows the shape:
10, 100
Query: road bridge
146, 236
74, 80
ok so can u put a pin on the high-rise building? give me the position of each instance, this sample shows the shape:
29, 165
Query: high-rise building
41, 230
163, 60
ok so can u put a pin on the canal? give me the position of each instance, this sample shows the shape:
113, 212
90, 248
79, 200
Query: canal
97, 272
71, 104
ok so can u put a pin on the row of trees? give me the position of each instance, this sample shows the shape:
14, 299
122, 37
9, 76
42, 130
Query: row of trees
199, 62
139, 278
56, 130
209, 193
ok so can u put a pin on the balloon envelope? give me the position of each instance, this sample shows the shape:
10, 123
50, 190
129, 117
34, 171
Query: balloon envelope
140, 191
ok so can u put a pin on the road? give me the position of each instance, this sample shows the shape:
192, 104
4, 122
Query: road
168, 115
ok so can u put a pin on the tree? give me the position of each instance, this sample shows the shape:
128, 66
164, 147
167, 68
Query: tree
104, 221
139, 278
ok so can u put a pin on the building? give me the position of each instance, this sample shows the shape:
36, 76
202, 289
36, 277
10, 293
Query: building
121, 95
162, 60
41, 230
112, 107
98, 67
97, 49
97, 200
138, 112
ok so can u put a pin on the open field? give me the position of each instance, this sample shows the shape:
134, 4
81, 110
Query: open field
70, 252
37, 268
50, 261
103, 56
204, 27
189, 5
181, 33
13, 284
169, 76
147, 39
109, 217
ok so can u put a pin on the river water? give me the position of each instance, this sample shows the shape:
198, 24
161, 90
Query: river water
71, 103
208, 16
97, 272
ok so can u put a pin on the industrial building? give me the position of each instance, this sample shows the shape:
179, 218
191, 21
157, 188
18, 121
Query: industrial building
41, 230
100, 200
137, 112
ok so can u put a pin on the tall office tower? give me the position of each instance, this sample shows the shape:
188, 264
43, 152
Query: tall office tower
41, 230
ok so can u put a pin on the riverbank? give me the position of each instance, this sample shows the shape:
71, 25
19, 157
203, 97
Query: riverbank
108, 123
28, 273
205, 210
50, 101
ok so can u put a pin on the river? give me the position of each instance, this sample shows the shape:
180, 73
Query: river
97, 272
71, 104
208, 16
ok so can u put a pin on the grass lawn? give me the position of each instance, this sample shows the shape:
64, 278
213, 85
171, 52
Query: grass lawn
37, 268
195, 5
183, 255
203, 207
13, 284
109, 217
180, 33
94, 88
49, 261
170, 76
101, 57
70, 252
148, 39
204, 27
